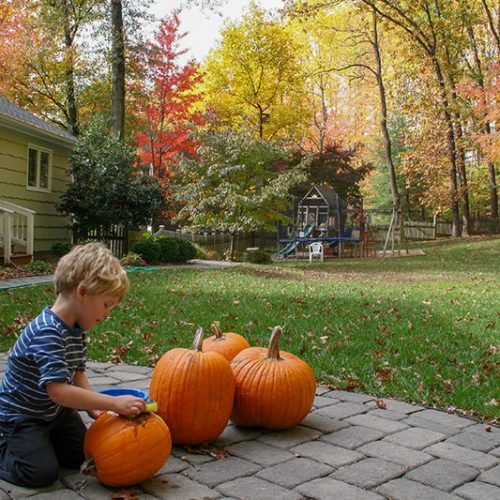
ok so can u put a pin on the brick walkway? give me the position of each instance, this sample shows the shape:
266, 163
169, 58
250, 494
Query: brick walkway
346, 449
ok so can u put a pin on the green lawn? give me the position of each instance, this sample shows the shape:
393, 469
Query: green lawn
422, 329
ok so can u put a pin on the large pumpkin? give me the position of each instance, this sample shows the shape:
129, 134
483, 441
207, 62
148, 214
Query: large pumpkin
194, 391
273, 389
127, 451
228, 344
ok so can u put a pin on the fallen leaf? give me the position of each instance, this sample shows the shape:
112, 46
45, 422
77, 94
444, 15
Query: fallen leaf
380, 404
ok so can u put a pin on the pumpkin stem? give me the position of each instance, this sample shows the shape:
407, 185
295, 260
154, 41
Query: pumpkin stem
217, 331
198, 340
273, 352
88, 466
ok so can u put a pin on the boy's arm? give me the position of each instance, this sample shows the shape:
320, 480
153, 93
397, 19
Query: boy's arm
80, 380
81, 398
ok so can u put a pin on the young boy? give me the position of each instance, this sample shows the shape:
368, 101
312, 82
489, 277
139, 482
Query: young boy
45, 381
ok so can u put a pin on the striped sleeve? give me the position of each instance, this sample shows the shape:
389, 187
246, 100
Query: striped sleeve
49, 354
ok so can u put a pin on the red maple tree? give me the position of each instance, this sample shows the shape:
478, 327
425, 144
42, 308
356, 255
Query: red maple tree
164, 102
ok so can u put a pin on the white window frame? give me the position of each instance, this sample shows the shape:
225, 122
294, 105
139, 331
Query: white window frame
39, 150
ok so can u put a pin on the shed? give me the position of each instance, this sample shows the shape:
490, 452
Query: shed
322, 208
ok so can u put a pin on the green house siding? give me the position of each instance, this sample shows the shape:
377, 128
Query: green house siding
50, 226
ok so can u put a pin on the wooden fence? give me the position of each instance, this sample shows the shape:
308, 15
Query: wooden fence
116, 238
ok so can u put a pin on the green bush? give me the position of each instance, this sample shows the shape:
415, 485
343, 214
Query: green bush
169, 249
187, 251
61, 248
37, 266
259, 257
149, 250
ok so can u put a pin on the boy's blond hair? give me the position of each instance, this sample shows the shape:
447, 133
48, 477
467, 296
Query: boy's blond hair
94, 266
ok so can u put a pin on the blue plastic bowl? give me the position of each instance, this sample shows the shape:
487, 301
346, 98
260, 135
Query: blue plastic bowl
121, 391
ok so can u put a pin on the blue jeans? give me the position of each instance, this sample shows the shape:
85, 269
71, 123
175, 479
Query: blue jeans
32, 450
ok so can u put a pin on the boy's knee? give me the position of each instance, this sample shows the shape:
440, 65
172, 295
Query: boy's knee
37, 475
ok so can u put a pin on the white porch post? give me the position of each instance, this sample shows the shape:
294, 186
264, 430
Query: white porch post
30, 234
7, 237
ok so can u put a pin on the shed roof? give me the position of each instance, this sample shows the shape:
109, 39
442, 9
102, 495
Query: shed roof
329, 195
27, 119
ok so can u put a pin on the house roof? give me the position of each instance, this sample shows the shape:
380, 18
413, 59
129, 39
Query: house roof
26, 120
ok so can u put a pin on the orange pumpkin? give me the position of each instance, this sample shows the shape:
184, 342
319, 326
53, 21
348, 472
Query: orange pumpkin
194, 391
273, 389
127, 451
228, 344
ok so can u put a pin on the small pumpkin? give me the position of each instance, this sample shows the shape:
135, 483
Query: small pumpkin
273, 389
194, 391
228, 344
122, 451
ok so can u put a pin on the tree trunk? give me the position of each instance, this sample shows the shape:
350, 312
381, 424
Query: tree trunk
71, 108
479, 77
450, 136
118, 70
232, 248
464, 187
492, 183
383, 120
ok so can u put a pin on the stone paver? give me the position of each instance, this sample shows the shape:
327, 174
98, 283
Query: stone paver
403, 489
260, 453
399, 454
176, 486
327, 489
478, 490
348, 448
386, 425
221, 471
353, 437
343, 410
463, 455
369, 473
491, 476
415, 438
443, 474
290, 437
251, 488
474, 441
327, 453
323, 423
294, 472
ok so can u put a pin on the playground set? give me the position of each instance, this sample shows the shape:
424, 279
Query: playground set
323, 216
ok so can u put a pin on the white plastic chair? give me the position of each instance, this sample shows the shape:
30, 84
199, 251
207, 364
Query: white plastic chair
316, 250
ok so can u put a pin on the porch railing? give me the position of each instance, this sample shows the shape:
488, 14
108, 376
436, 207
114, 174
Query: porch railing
17, 226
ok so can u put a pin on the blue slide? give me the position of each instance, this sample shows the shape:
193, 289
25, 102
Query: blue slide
290, 248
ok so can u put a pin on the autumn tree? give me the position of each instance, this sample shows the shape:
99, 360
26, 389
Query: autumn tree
253, 81
234, 184
164, 101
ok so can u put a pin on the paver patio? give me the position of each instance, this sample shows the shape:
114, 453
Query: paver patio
346, 448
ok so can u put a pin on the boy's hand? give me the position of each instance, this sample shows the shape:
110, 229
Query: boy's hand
95, 413
128, 405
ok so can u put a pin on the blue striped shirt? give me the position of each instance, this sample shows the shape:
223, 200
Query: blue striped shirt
48, 350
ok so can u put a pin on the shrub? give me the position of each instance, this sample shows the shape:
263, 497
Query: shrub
187, 251
37, 266
149, 250
169, 249
132, 259
259, 257
61, 248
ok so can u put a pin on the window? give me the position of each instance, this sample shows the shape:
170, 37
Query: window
39, 168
